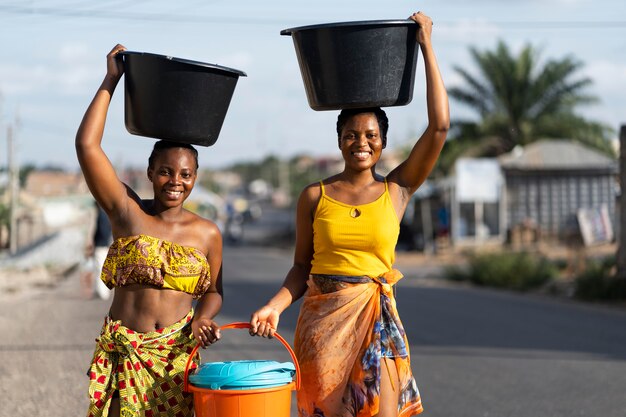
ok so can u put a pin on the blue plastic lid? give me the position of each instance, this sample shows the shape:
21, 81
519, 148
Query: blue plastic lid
246, 374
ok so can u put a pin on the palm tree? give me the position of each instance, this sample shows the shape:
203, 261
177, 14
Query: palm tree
519, 101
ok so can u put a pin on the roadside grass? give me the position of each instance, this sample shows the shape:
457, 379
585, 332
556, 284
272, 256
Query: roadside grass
596, 280
599, 282
520, 271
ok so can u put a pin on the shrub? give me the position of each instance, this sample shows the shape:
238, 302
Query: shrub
512, 270
455, 273
598, 282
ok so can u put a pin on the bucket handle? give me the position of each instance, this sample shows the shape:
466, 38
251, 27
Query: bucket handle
244, 325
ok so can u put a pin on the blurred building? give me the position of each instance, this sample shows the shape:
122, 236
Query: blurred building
55, 183
549, 182
477, 201
549, 190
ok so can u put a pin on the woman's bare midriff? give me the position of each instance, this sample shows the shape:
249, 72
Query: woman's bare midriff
143, 308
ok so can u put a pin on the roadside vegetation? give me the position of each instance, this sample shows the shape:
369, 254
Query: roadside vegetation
530, 271
599, 282
520, 271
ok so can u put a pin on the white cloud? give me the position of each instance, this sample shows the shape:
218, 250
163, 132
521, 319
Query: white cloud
69, 70
18, 79
467, 31
72, 53
239, 60
77, 69
609, 84
609, 76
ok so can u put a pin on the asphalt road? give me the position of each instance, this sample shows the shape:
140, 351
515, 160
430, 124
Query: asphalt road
475, 352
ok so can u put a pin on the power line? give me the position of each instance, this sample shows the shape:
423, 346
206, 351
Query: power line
158, 17
94, 13
555, 24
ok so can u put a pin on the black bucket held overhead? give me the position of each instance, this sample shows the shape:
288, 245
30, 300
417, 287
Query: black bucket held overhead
357, 64
176, 99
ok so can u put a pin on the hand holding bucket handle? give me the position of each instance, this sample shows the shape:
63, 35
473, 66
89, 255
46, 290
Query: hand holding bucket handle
245, 325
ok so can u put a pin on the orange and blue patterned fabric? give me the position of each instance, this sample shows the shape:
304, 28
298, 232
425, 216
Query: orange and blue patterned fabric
146, 370
148, 260
347, 326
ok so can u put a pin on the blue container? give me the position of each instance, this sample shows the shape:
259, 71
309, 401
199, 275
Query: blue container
241, 375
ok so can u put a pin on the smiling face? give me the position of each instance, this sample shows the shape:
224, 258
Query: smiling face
173, 174
360, 141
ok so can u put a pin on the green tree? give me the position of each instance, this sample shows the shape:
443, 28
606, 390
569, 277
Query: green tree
4, 215
519, 100
25, 172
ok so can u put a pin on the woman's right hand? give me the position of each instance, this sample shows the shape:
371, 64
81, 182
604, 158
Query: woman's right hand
115, 66
264, 322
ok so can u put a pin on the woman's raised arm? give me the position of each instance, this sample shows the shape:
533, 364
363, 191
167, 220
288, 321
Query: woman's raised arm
99, 173
411, 173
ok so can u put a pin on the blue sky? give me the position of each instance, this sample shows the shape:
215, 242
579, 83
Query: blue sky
54, 59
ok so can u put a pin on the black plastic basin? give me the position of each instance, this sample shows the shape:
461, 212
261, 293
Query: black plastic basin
176, 99
357, 64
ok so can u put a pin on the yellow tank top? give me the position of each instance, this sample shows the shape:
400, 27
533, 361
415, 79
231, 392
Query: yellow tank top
354, 240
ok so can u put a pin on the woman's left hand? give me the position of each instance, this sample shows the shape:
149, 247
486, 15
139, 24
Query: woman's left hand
205, 331
425, 28
115, 65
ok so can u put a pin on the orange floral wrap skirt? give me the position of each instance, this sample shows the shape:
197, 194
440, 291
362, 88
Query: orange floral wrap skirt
347, 325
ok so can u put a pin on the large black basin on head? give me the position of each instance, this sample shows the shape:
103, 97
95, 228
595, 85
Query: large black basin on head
176, 99
357, 64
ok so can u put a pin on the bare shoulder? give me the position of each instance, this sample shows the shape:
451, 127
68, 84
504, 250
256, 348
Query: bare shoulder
394, 187
204, 225
205, 231
400, 195
310, 196
311, 192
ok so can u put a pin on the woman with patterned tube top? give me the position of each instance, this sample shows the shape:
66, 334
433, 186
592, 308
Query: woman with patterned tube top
349, 341
163, 257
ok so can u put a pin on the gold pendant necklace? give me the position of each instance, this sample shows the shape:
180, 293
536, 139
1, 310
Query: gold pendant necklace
355, 212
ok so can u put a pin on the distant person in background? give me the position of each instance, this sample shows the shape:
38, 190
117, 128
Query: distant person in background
349, 341
87, 271
98, 242
234, 222
162, 258
102, 239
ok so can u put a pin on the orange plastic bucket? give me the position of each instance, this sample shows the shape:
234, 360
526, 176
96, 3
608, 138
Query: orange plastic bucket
258, 402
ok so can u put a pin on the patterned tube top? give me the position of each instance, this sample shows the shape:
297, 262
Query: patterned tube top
148, 260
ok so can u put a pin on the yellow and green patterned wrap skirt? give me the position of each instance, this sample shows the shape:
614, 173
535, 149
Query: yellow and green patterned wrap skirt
146, 370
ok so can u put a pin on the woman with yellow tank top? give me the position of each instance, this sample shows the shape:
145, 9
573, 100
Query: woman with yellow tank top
350, 343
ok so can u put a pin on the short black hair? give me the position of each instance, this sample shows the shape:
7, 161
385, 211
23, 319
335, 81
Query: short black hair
381, 116
163, 145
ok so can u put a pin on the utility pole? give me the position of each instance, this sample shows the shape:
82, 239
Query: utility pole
621, 243
14, 191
